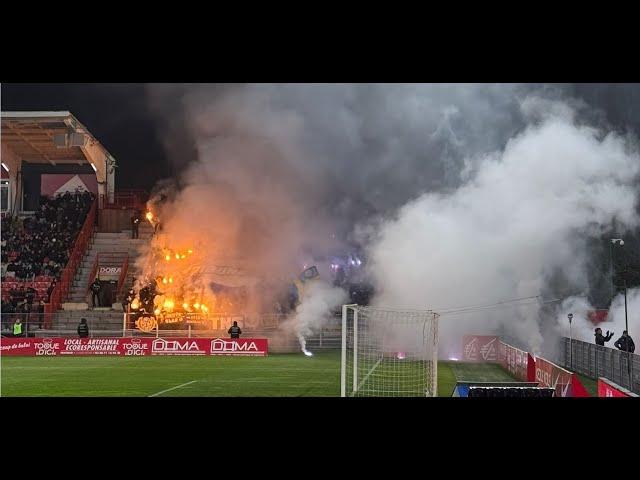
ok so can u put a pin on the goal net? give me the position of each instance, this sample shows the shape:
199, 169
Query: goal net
388, 353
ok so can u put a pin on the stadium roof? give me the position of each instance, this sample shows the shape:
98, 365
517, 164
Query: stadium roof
54, 138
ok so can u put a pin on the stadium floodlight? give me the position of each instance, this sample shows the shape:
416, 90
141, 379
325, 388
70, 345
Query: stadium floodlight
388, 352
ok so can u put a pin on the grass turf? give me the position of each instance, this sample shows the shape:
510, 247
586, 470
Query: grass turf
286, 375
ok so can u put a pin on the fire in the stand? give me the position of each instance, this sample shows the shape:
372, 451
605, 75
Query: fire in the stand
149, 216
168, 304
177, 292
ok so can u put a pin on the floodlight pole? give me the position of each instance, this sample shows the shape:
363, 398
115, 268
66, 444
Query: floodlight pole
613, 241
570, 342
626, 327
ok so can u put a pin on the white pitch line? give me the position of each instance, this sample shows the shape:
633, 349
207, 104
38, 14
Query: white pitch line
173, 388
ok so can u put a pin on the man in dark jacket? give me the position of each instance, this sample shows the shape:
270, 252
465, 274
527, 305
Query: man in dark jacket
235, 331
625, 343
135, 223
83, 328
95, 292
601, 339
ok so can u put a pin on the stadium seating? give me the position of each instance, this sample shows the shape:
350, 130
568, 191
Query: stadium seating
35, 249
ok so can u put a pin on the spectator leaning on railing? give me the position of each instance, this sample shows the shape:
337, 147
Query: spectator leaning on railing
625, 343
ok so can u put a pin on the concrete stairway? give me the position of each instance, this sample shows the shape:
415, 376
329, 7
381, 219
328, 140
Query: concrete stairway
108, 243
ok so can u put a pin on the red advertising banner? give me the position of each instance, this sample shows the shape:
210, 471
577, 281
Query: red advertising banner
134, 346
565, 383
480, 348
606, 388
518, 362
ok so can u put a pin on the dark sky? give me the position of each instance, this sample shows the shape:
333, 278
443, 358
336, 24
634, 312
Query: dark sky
116, 114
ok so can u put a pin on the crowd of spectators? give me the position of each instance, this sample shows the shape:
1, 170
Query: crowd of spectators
35, 250
41, 245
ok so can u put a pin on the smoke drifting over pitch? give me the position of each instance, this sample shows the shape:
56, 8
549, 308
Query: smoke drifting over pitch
525, 215
462, 194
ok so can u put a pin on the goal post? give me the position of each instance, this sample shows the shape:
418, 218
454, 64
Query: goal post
388, 352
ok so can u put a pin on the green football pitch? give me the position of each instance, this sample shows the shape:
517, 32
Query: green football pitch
286, 375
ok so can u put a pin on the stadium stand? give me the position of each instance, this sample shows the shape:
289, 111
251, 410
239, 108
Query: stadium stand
35, 250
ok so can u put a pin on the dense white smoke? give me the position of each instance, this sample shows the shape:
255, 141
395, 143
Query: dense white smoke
524, 215
316, 304
583, 329
465, 195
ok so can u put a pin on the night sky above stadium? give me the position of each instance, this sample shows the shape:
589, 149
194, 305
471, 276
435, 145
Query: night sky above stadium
120, 116
116, 114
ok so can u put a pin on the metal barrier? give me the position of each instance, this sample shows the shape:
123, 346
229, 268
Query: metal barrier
325, 339
126, 199
32, 322
596, 361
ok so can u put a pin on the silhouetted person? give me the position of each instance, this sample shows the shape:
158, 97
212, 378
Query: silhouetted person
95, 292
601, 339
135, 223
235, 331
83, 328
625, 343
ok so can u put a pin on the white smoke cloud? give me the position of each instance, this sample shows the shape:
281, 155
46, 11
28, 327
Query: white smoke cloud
466, 194
583, 329
316, 304
524, 215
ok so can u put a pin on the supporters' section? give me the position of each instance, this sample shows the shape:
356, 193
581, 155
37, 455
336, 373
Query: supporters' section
134, 346
36, 249
607, 388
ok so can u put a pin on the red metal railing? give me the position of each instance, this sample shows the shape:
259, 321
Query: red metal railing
123, 274
61, 290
